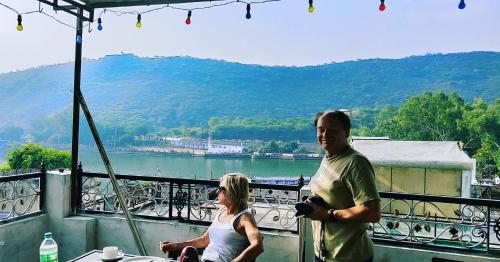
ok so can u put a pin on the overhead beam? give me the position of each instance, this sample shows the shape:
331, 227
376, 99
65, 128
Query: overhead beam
110, 4
86, 14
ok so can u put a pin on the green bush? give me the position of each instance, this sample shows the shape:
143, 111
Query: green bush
32, 156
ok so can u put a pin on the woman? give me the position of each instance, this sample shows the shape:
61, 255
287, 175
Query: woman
233, 235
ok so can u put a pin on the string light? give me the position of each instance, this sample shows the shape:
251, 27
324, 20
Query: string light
79, 39
311, 7
99, 24
461, 5
19, 23
248, 15
188, 19
138, 24
381, 7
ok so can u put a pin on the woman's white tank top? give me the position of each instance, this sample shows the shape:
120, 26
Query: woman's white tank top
225, 243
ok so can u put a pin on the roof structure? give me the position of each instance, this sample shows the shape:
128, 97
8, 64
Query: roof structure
120, 3
430, 154
86, 7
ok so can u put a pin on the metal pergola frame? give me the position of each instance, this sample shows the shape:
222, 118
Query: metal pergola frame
83, 10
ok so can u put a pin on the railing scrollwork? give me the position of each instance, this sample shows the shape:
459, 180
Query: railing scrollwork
188, 200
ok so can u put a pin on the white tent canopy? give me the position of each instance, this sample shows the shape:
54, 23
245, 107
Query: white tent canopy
430, 154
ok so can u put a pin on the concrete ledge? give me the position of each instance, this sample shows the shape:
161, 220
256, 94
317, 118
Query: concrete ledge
113, 230
78, 237
388, 253
20, 240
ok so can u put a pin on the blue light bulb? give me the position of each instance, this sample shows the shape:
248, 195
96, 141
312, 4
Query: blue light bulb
79, 39
99, 24
248, 16
461, 5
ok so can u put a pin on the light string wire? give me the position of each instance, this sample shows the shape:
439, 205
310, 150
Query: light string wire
39, 11
120, 13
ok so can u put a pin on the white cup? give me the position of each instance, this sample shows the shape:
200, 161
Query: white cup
110, 252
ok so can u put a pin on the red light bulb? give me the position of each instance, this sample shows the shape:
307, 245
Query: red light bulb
381, 7
188, 19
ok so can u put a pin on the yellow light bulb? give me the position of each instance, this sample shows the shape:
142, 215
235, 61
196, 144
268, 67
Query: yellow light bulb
138, 25
20, 28
311, 9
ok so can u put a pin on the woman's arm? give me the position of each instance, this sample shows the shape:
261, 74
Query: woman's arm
368, 212
199, 242
256, 247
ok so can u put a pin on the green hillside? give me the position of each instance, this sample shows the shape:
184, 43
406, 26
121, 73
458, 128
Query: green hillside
168, 92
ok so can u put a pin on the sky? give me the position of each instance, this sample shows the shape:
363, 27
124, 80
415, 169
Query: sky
279, 33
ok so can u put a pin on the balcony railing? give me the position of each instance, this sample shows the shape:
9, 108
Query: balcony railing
21, 195
438, 221
187, 200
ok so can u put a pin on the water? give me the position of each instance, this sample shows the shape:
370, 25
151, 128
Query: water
199, 167
48, 249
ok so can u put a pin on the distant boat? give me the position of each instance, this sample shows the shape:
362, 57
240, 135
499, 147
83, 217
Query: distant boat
289, 181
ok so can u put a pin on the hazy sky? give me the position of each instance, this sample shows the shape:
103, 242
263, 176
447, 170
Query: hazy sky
279, 33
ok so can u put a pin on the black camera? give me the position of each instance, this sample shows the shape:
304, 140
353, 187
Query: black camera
304, 209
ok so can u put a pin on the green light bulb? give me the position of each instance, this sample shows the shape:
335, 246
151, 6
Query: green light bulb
20, 28
138, 25
311, 9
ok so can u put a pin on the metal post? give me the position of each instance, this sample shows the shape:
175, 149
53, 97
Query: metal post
111, 173
76, 111
79, 186
43, 175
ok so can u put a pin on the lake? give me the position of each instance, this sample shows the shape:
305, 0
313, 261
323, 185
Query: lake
199, 167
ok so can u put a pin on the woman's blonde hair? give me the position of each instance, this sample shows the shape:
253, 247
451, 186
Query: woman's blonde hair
237, 190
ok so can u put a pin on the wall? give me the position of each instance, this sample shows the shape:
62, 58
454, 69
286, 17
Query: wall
21, 239
416, 180
113, 231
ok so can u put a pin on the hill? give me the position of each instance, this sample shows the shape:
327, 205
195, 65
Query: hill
174, 91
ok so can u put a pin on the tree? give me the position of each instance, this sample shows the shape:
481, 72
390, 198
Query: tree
32, 156
429, 117
271, 147
289, 147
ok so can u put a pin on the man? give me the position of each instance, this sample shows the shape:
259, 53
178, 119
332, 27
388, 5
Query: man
346, 181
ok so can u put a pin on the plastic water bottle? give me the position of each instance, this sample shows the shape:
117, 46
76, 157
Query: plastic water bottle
48, 249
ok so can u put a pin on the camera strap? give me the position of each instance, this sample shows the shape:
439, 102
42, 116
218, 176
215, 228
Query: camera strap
322, 245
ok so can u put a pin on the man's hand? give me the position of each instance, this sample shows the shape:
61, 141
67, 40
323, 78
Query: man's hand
318, 212
166, 246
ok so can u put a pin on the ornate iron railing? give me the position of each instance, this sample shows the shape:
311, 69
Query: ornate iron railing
21, 195
19, 171
188, 200
438, 221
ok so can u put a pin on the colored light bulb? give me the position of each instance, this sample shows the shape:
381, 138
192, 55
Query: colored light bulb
99, 24
188, 19
79, 39
248, 15
381, 7
461, 5
19, 23
311, 7
138, 24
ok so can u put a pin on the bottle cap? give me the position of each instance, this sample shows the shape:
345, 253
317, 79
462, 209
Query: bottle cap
48, 235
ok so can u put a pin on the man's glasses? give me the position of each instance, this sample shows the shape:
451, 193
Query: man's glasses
220, 189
